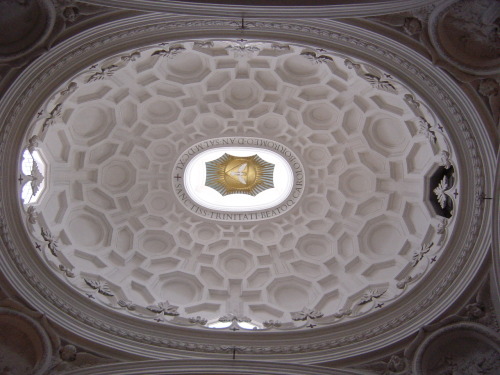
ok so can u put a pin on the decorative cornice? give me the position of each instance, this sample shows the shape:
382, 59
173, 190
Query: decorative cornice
211, 366
495, 272
368, 8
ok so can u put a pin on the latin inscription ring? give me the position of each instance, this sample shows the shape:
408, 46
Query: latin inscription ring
187, 195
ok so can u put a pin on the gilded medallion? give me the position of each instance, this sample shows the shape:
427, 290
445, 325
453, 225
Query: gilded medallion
239, 175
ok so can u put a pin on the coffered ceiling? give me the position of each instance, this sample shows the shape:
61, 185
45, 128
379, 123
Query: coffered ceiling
362, 233
383, 226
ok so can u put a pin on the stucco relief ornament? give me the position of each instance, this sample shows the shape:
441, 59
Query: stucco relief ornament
169, 53
426, 130
198, 320
32, 144
440, 191
71, 10
280, 47
163, 308
239, 175
36, 178
373, 76
243, 49
234, 320
475, 310
380, 83
488, 87
343, 312
478, 31
272, 324
132, 57
412, 23
68, 353
474, 363
70, 359
32, 215
53, 115
418, 256
396, 364
127, 304
101, 287
305, 314
413, 104
371, 295
203, 44
316, 58
412, 26
71, 88
403, 283
66, 271
105, 72
445, 159
51, 241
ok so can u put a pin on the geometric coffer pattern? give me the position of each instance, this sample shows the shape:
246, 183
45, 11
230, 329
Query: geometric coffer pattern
110, 224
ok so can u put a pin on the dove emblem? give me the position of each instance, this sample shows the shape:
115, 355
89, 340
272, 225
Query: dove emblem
239, 175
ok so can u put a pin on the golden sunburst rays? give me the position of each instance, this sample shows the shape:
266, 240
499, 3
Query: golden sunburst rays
239, 175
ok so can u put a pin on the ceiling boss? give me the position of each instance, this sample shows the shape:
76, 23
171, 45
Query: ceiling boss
239, 175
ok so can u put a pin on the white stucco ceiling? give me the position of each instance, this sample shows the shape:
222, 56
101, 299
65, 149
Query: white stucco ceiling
110, 252
362, 234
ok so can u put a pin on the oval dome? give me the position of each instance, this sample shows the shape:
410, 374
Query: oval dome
116, 235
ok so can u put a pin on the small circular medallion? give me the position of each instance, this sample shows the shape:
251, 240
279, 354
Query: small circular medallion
238, 179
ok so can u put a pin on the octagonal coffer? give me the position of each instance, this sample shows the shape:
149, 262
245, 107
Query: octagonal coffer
253, 178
